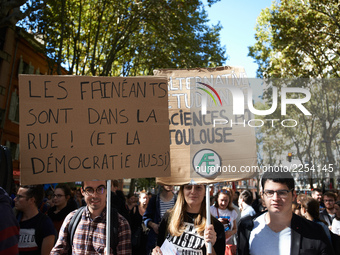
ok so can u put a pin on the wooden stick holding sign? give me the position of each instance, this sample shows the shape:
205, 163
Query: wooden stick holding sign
108, 215
207, 202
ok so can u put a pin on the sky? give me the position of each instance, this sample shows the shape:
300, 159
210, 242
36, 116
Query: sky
238, 19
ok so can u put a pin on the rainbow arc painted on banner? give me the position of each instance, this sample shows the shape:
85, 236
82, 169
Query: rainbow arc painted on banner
209, 93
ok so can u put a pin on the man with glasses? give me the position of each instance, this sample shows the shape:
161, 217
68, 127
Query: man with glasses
329, 213
278, 230
90, 234
37, 233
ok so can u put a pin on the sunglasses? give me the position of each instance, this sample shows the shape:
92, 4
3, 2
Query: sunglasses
224, 191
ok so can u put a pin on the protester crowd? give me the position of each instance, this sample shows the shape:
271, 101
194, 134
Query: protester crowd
73, 221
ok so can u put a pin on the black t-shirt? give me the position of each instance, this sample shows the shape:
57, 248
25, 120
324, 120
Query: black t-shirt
32, 233
136, 219
118, 203
190, 242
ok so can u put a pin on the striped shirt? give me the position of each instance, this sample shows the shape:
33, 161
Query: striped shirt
90, 236
166, 205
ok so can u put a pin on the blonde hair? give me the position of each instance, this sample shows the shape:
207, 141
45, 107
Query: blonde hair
177, 216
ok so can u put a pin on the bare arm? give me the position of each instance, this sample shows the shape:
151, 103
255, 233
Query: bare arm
47, 245
233, 231
154, 226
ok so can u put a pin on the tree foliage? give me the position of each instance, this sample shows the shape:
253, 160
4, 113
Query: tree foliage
300, 39
146, 184
128, 37
307, 136
12, 11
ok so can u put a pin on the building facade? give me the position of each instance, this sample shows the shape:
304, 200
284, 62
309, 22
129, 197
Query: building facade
20, 53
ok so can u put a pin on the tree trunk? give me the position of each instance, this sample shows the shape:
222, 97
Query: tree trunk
132, 186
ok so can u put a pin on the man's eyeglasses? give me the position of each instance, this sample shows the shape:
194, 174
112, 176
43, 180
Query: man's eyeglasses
329, 201
283, 193
90, 191
58, 195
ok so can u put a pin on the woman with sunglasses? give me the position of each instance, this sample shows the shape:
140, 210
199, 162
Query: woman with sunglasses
224, 211
62, 207
185, 225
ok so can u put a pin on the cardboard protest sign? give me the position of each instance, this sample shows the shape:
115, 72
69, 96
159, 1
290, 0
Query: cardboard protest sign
208, 141
83, 128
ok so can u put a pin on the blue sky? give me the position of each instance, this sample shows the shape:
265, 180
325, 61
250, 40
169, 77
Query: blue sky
238, 19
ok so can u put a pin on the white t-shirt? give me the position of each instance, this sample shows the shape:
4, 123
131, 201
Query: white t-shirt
237, 209
264, 241
336, 227
227, 214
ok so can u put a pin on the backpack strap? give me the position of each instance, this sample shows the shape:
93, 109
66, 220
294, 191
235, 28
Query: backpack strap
113, 232
73, 226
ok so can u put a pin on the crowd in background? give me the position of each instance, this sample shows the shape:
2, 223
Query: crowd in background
144, 211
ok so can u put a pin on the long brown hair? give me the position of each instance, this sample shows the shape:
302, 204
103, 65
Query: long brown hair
178, 215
